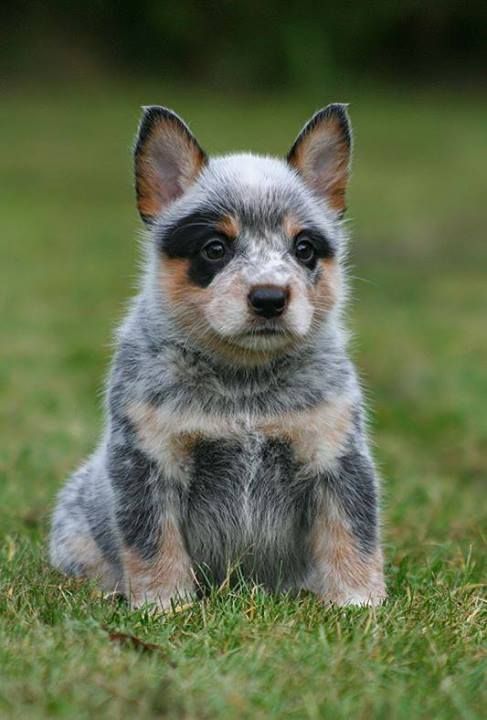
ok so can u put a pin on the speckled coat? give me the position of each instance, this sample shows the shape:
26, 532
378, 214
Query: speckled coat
234, 440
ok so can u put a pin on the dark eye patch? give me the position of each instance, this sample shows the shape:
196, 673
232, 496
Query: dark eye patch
188, 237
323, 246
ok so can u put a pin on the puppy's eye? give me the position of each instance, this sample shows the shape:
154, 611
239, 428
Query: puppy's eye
214, 250
304, 250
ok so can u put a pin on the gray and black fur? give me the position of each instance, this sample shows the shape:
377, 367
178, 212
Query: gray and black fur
234, 440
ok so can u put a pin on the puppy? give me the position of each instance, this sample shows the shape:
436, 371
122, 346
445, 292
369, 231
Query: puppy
235, 438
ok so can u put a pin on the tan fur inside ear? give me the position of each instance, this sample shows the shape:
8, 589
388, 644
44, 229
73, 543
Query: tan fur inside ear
322, 155
167, 162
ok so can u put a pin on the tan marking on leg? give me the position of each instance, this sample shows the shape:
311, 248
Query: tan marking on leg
168, 576
342, 574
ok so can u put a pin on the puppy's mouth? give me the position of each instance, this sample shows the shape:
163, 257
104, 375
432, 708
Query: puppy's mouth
266, 336
266, 328
264, 332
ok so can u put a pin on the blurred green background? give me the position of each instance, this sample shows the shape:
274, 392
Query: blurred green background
246, 76
253, 44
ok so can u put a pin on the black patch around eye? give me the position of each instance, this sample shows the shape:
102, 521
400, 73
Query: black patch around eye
202, 271
188, 235
187, 238
323, 246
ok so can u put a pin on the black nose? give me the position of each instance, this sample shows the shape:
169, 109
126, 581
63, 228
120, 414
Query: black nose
268, 300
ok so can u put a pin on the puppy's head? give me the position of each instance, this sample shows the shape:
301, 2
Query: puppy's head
247, 247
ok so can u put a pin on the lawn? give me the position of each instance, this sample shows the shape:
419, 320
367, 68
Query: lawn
68, 263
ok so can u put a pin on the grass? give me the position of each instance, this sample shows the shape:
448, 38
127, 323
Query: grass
67, 263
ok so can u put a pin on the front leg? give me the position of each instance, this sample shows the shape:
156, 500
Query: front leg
163, 576
156, 566
347, 562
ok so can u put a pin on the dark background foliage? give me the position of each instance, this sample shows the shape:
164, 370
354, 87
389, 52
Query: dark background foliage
275, 43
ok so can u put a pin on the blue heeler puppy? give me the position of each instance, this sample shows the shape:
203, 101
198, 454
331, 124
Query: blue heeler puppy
235, 438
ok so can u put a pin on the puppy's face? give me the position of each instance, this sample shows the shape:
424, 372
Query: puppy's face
248, 247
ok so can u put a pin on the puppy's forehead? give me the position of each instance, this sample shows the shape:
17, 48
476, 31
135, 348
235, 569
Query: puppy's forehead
255, 173
261, 193
260, 190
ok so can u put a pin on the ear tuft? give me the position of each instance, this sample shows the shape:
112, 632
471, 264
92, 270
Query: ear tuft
167, 159
321, 154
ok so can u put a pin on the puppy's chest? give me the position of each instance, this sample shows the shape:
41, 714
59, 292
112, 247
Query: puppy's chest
248, 482
188, 444
242, 474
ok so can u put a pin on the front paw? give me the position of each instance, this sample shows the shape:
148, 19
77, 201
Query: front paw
355, 598
161, 602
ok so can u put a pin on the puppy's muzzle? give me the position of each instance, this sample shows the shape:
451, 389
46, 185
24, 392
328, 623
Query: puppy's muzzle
268, 301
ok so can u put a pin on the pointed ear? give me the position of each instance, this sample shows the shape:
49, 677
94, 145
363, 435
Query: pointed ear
321, 154
168, 159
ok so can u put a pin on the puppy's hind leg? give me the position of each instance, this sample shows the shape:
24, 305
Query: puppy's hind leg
73, 548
